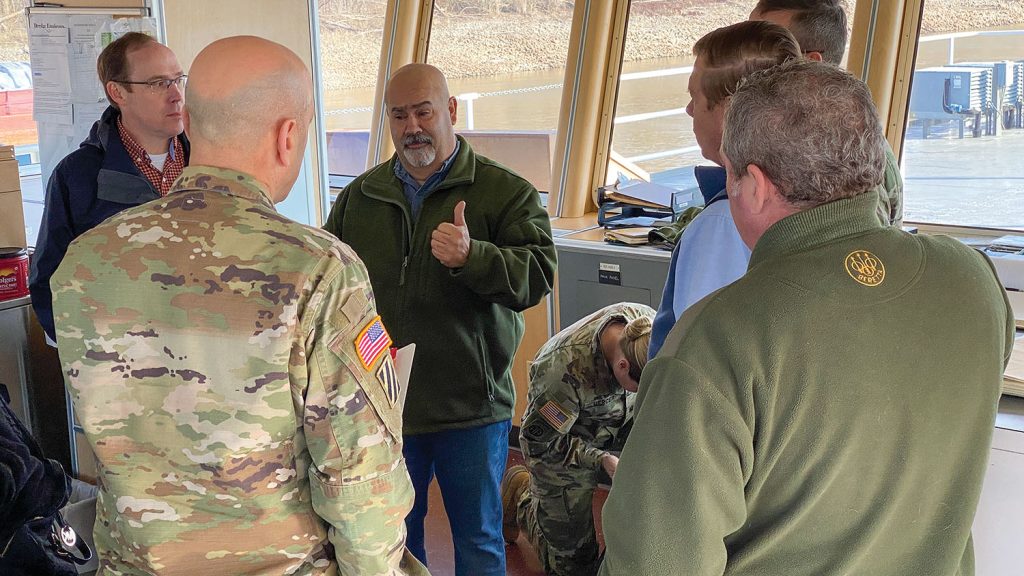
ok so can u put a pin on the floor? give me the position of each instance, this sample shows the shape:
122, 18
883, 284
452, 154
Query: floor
520, 558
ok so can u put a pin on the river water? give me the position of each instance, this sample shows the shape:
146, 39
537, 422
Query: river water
947, 180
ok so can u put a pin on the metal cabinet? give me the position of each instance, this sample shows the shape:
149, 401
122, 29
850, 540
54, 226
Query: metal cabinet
14, 316
998, 537
31, 371
592, 275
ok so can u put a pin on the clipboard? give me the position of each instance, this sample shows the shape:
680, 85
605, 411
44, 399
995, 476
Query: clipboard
403, 365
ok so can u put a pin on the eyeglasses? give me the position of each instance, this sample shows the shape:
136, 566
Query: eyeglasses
160, 84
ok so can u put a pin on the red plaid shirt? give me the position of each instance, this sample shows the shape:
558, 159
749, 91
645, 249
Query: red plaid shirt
160, 179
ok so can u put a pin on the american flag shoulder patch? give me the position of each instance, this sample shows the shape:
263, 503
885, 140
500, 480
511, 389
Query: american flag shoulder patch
372, 342
554, 414
388, 378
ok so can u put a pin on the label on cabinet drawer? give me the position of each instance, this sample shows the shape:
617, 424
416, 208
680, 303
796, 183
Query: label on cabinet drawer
609, 274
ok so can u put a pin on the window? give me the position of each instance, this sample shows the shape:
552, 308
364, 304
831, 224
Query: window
505, 63
653, 136
17, 127
350, 36
964, 135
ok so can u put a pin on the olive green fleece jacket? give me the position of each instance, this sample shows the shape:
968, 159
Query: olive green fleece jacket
466, 323
829, 413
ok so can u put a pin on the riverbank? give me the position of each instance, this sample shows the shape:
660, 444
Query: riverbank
467, 45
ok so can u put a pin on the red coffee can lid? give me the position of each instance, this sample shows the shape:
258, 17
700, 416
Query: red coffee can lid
13, 251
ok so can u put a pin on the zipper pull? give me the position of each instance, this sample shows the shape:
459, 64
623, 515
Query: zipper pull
405, 264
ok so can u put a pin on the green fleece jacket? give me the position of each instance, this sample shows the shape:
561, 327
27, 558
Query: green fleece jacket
466, 323
830, 413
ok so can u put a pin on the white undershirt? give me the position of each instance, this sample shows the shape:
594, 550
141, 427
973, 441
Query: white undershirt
158, 160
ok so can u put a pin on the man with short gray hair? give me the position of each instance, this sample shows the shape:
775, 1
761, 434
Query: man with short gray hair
819, 25
820, 28
838, 155
796, 421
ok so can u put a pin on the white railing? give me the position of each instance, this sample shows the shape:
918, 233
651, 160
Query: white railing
664, 154
952, 37
649, 115
657, 73
470, 97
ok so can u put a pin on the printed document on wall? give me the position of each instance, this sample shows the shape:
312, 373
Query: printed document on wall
51, 85
51, 74
47, 30
85, 49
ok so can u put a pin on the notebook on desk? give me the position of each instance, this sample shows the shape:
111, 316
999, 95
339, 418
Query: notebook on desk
631, 236
1013, 377
1016, 299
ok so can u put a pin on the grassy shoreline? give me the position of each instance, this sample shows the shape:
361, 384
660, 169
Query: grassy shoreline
491, 37
470, 45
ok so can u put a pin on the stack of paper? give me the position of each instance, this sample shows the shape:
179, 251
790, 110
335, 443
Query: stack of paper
640, 193
631, 236
1013, 378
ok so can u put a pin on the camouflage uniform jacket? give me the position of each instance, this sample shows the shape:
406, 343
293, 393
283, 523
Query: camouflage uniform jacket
210, 348
890, 191
575, 406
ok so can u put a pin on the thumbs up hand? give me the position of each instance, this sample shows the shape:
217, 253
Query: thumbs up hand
449, 243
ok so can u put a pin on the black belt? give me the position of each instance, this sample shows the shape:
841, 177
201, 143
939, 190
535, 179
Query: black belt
67, 543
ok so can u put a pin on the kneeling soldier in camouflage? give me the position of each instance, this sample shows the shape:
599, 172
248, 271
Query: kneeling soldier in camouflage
582, 385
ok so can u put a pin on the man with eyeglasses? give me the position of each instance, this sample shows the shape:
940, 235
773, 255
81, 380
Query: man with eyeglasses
133, 154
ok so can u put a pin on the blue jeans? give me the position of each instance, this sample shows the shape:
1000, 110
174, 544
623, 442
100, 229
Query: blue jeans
469, 464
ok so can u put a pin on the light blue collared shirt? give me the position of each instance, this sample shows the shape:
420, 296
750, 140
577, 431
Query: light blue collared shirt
709, 255
415, 193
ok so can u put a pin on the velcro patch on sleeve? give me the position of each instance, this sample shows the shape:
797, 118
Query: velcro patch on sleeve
372, 342
355, 307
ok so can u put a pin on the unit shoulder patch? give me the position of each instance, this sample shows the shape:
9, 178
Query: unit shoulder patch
865, 268
387, 377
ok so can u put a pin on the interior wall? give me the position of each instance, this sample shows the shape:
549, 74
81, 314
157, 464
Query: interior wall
534, 336
288, 22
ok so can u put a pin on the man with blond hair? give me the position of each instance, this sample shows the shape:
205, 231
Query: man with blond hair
579, 410
710, 253
796, 421
228, 365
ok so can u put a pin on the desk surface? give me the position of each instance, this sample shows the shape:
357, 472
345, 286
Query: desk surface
569, 225
1011, 413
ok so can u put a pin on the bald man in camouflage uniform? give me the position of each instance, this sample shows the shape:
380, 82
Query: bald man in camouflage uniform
577, 413
228, 365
